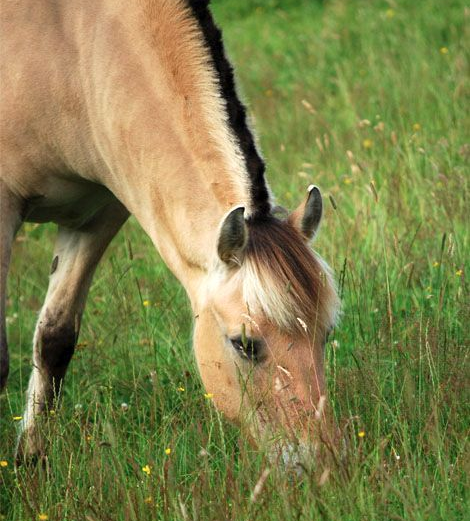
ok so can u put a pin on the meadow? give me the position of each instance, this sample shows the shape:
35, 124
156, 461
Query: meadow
369, 100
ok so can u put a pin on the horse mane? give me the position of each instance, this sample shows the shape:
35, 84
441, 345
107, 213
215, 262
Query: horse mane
282, 276
236, 111
285, 279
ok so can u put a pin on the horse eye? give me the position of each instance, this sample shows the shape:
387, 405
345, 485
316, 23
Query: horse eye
248, 348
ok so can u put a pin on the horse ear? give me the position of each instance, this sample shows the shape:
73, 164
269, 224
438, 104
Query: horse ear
306, 218
233, 237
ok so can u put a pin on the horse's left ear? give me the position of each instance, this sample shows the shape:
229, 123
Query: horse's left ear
306, 218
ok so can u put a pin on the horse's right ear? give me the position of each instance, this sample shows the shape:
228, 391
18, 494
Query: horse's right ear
306, 218
233, 237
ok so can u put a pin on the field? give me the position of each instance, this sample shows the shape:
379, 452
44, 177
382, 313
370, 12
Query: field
370, 101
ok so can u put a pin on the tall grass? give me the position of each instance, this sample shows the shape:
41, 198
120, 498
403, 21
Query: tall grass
370, 101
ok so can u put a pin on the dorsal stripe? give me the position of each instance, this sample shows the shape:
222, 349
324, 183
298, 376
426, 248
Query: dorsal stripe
236, 111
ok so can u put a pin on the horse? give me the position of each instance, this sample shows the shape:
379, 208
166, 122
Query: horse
114, 108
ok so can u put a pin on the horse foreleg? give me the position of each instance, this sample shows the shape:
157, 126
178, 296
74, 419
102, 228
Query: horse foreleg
10, 220
76, 255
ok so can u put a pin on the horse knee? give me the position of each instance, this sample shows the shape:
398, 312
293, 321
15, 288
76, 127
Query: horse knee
56, 344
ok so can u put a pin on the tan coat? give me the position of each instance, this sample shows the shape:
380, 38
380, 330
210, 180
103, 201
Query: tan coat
114, 107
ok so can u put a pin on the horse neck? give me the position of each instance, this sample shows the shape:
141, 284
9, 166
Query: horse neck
170, 155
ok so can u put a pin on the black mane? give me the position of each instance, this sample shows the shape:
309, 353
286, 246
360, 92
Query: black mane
235, 109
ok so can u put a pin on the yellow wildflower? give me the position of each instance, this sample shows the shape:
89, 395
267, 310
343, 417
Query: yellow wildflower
208, 396
148, 500
146, 469
435, 264
444, 50
459, 273
347, 180
17, 418
367, 143
181, 389
3, 463
146, 303
168, 451
52, 412
43, 517
361, 434
416, 127
389, 13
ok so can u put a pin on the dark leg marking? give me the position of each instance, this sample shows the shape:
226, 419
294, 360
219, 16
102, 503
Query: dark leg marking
57, 346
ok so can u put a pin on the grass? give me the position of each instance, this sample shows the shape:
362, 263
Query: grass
370, 101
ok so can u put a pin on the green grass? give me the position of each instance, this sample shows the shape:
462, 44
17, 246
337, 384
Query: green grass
370, 101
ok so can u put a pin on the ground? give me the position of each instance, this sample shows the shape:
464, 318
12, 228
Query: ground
369, 100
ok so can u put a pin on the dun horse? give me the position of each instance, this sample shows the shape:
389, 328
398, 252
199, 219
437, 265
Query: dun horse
113, 108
